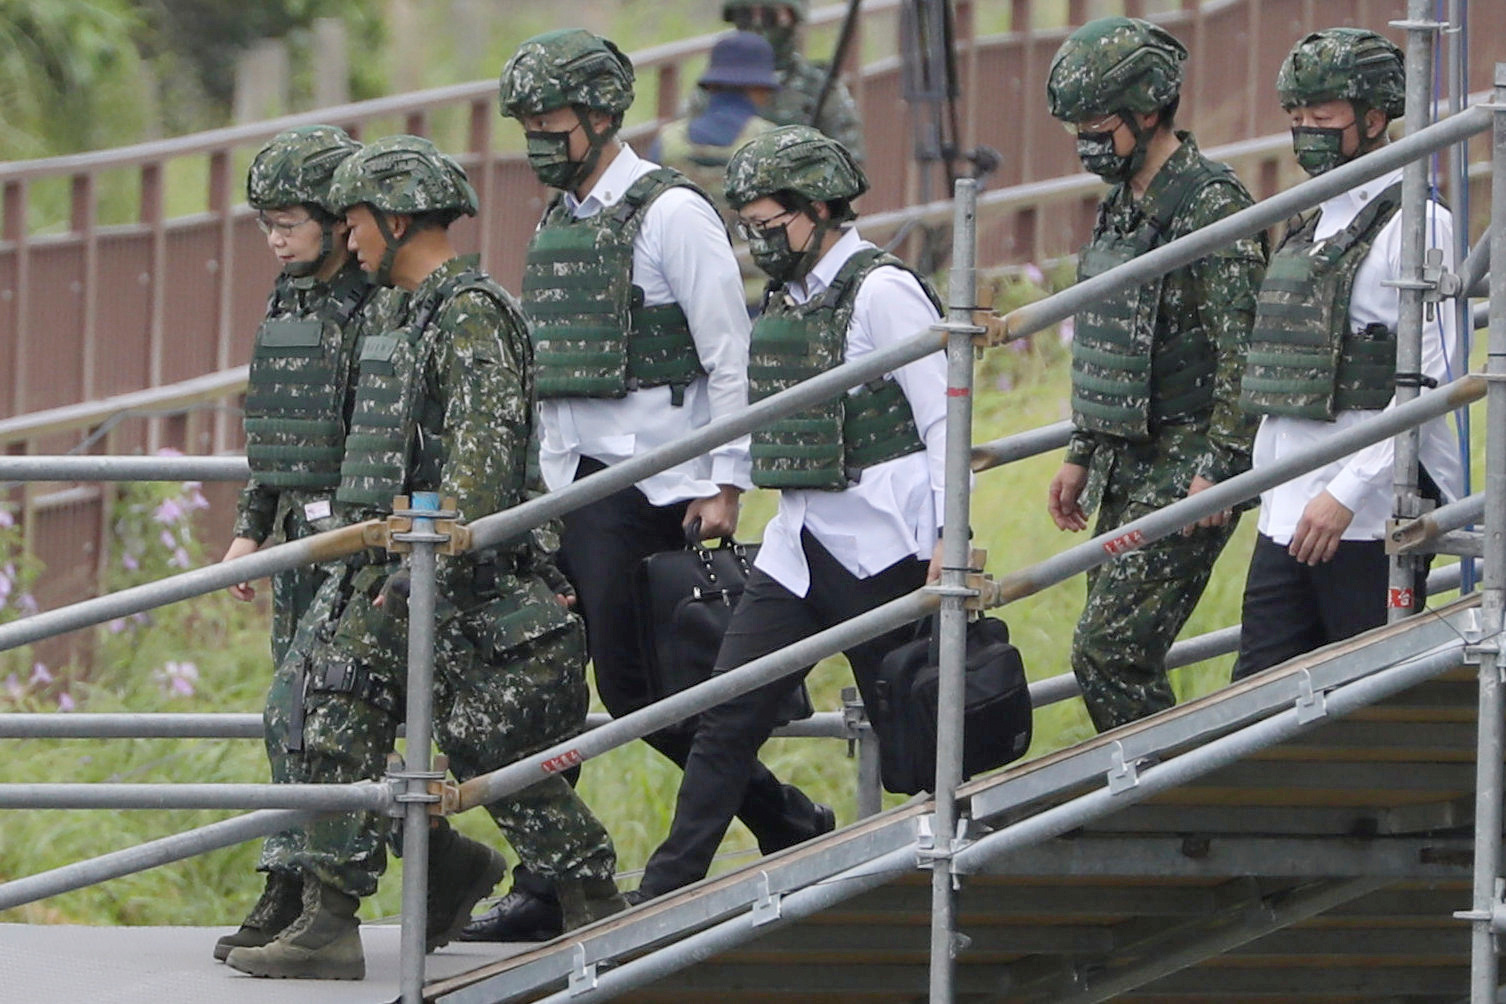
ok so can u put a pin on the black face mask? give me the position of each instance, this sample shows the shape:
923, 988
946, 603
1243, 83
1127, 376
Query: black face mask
1319, 149
1096, 151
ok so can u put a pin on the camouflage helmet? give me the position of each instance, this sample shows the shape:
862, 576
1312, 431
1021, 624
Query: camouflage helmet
403, 174
571, 66
801, 8
794, 158
1114, 64
1344, 64
296, 167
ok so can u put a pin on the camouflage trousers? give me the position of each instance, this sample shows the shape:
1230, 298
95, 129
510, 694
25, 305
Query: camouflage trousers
1136, 605
509, 681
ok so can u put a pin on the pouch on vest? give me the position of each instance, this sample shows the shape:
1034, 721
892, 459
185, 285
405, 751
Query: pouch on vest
295, 433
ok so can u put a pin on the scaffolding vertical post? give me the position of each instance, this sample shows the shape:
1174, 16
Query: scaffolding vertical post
1458, 197
1402, 598
962, 299
417, 773
1483, 965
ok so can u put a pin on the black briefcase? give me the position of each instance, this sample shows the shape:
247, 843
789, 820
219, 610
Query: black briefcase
685, 601
996, 706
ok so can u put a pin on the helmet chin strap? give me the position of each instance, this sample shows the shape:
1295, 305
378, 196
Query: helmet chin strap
384, 269
302, 269
597, 140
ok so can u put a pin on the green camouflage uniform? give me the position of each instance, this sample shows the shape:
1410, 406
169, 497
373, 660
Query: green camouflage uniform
265, 512
509, 660
1138, 602
268, 513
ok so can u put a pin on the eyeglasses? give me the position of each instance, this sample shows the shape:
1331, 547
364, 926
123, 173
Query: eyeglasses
749, 229
1109, 123
283, 227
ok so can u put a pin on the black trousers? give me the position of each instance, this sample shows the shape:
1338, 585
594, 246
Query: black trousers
1291, 608
723, 759
600, 550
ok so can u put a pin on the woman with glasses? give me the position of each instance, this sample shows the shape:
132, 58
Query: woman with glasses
860, 477
303, 368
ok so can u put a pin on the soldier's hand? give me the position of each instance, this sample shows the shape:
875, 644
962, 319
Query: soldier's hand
1320, 529
1220, 518
239, 548
1061, 498
718, 514
394, 595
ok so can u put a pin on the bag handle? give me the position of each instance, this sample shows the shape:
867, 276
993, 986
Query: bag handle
728, 544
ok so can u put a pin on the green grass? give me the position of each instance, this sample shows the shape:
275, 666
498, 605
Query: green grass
632, 789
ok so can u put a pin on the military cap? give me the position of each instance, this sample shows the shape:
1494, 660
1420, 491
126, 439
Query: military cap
1113, 64
1344, 64
296, 167
403, 174
570, 66
795, 158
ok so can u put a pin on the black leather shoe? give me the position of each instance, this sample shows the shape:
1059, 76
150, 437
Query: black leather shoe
635, 897
519, 916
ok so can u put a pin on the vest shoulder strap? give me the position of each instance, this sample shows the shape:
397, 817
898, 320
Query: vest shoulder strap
628, 214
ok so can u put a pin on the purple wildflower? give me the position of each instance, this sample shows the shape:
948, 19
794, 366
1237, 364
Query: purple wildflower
128, 562
27, 604
170, 511
180, 558
1034, 274
65, 702
117, 625
13, 687
40, 675
6, 519
177, 679
167, 538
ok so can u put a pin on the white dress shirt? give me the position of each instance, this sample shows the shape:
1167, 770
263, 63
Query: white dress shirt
680, 255
1362, 482
894, 511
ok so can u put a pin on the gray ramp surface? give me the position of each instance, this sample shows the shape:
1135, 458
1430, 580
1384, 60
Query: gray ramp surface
167, 965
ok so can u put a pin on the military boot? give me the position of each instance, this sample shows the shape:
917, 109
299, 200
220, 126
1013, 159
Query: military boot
281, 902
461, 872
324, 943
587, 900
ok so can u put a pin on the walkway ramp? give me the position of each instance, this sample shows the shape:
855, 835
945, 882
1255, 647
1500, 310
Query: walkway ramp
1322, 868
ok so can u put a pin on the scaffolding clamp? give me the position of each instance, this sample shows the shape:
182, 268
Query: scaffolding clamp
1477, 644
442, 796
1311, 705
1123, 774
582, 973
450, 536
769, 904
978, 591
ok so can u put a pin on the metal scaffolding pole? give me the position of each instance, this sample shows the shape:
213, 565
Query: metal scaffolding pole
1401, 598
1458, 191
953, 590
226, 833
363, 795
100, 468
1484, 966
417, 770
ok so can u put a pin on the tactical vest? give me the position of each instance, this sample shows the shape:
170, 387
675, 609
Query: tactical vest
705, 163
300, 374
396, 441
592, 335
1123, 384
826, 446
1304, 361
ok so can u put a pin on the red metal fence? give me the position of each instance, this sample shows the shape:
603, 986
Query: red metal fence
101, 309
